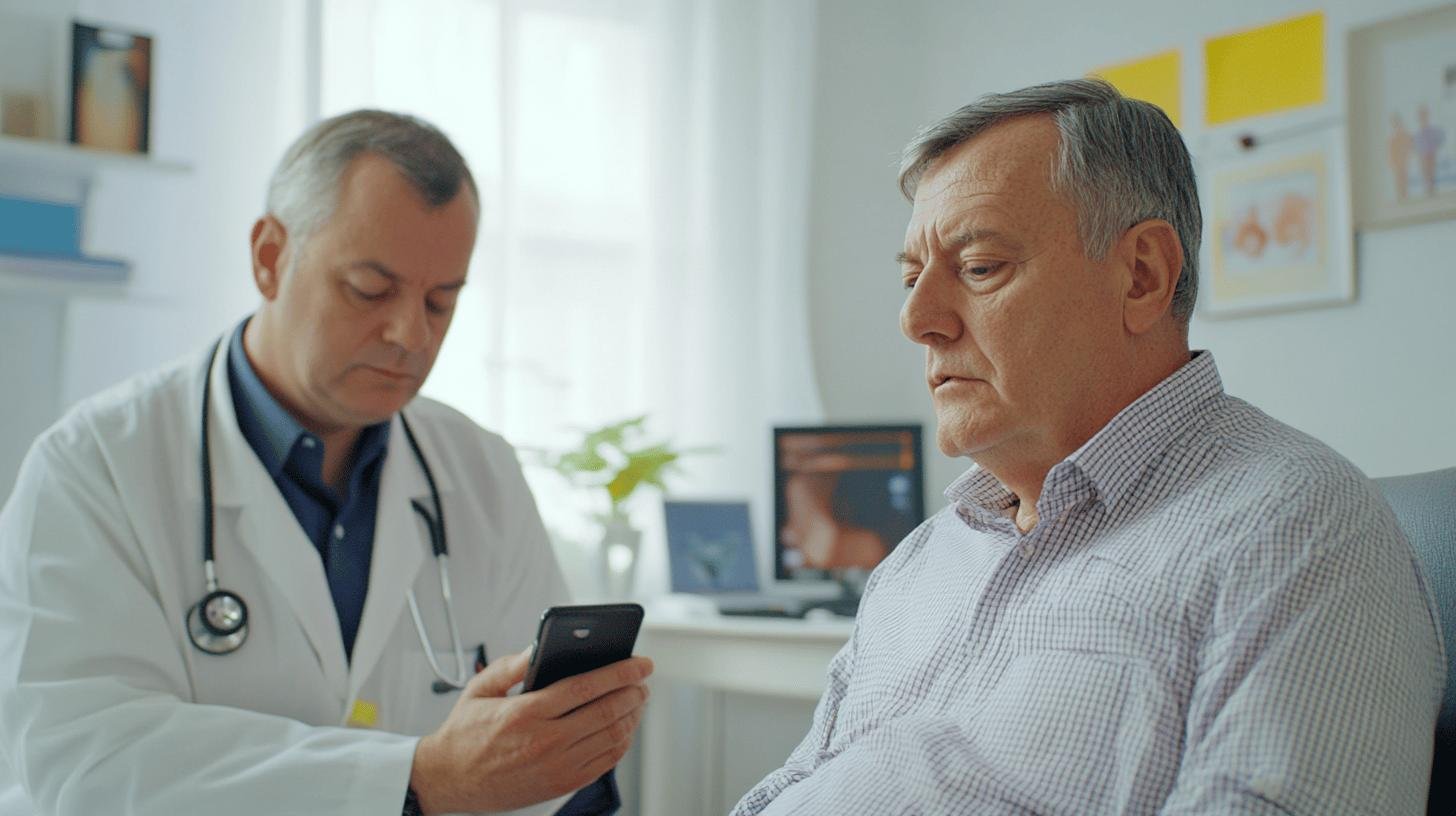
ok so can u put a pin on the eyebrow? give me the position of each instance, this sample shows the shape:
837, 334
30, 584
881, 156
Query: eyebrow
381, 269
962, 239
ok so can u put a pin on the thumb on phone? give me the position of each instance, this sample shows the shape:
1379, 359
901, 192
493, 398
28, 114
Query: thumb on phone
498, 678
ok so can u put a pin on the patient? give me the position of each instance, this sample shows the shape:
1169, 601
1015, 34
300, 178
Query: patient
1145, 595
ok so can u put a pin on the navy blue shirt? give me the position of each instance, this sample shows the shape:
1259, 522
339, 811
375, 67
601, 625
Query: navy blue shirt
341, 527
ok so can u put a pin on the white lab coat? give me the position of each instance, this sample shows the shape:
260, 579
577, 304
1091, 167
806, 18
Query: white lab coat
106, 707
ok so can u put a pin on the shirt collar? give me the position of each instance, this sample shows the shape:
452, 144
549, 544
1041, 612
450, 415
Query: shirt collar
978, 492
269, 428
272, 431
1116, 456
372, 445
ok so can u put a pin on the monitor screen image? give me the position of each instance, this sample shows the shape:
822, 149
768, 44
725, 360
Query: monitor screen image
844, 496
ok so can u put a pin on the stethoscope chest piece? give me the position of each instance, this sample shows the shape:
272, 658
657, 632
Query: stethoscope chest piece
218, 624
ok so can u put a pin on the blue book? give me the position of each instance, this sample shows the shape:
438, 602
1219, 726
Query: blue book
29, 227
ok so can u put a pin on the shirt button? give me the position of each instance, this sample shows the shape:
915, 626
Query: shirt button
339, 531
1268, 786
308, 442
1027, 550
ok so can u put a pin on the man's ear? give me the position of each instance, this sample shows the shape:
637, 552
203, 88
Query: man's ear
269, 239
1153, 258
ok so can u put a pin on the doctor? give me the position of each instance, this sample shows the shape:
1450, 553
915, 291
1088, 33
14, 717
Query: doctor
256, 580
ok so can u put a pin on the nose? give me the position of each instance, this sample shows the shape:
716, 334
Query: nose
408, 326
928, 316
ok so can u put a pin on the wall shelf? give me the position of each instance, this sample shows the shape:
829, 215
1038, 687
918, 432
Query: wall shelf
64, 277
65, 160
61, 172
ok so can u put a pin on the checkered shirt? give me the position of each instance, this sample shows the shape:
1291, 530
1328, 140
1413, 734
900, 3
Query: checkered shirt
1215, 614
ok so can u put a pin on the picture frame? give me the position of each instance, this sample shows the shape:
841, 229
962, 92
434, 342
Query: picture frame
1277, 227
710, 545
1402, 104
111, 89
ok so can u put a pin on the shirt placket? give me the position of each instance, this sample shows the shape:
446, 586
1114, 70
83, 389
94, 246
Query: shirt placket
1025, 555
1000, 588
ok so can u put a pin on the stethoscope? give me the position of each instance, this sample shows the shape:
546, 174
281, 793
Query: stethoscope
218, 624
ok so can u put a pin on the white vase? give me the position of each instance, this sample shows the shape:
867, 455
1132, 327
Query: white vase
617, 556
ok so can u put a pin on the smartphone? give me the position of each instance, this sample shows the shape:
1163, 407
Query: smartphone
576, 639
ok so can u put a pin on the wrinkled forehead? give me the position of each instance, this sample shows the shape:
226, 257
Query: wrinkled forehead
1018, 155
1008, 167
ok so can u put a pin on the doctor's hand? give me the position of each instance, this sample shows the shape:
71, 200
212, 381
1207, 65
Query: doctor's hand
501, 753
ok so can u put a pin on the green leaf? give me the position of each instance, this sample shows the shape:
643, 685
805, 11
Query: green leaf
581, 462
613, 457
644, 466
614, 435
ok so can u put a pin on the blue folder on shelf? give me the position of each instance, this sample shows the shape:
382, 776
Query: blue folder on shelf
41, 241
30, 227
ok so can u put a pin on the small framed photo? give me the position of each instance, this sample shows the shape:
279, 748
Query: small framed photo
1402, 86
111, 89
1277, 226
709, 546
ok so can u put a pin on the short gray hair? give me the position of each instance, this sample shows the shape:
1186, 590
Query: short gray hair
1120, 162
304, 189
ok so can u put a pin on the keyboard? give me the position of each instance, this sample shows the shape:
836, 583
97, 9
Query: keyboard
761, 612
843, 607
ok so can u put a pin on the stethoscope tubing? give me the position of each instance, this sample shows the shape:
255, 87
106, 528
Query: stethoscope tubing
228, 638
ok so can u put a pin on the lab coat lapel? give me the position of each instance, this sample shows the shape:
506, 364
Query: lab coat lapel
267, 527
401, 547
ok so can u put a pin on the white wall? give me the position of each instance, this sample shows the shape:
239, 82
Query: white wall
1373, 379
228, 94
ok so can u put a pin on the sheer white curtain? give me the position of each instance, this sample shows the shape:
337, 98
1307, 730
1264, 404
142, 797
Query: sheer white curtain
644, 171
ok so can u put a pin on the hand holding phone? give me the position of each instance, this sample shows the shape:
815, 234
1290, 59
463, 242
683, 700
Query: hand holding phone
500, 752
572, 640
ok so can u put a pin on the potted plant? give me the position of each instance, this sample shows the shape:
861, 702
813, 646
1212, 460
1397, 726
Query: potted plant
618, 459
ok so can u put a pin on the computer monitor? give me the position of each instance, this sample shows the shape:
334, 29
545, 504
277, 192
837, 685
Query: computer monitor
844, 496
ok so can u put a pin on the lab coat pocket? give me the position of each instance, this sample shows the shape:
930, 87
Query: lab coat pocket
1050, 725
408, 700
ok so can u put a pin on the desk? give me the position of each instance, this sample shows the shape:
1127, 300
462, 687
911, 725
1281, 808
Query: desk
771, 657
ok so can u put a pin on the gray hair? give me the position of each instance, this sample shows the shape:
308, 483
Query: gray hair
304, 190
1120, 162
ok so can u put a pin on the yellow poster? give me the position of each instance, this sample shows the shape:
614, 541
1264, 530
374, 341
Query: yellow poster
1263, 70
1154, 79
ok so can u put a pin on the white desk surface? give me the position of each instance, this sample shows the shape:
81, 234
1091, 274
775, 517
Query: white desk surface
749, 626
773, 656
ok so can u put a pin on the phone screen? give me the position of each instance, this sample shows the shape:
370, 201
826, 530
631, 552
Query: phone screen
572, 640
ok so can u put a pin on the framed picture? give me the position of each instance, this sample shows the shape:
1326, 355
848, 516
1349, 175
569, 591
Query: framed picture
1277, 227
111, 88
709, 546
1402, 85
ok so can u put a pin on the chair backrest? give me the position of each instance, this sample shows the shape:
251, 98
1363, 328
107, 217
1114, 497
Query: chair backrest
1425, 505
